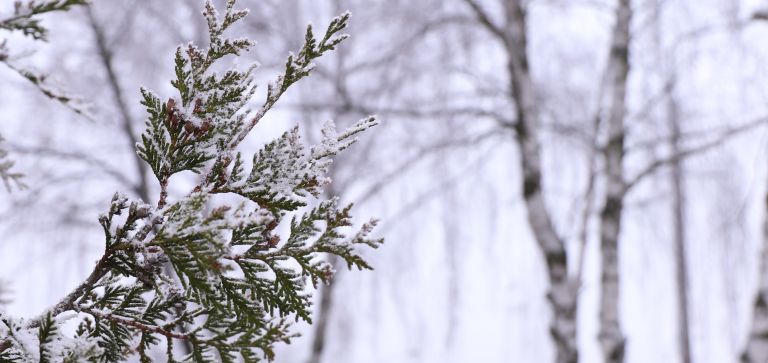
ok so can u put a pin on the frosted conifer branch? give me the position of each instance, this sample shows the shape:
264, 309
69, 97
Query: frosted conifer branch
233, 289
298, 67
24, 18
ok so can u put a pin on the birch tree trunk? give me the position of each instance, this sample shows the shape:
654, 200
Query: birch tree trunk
610, 335
756, 349
563, 289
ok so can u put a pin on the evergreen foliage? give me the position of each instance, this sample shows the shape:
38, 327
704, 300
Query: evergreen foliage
25, 17
237, 283
26, 21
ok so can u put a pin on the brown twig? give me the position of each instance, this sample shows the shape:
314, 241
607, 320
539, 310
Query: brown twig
163, 193
68, 303
140, 326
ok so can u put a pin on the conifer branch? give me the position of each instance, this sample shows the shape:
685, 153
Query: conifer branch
68, 303
25, 12
25, 20
135, 324
231, 291
298, 67
50, 89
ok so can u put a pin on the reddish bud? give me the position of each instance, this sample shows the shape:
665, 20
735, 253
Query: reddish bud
273, 241
170, 106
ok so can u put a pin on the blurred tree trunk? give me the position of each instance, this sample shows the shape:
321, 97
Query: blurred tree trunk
678, 207
452, 234
756, 349
666, 61
105, 55
323, 317
610, 335
563, 289
326, 303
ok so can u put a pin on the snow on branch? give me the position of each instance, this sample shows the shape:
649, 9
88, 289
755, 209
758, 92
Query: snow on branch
25, 20
235, 282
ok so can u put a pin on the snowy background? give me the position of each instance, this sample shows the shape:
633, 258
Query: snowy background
460, 278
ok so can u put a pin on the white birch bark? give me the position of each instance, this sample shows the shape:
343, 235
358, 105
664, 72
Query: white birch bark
563, 289
610, 334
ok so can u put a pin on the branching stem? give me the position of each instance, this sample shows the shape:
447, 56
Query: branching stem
140, 326
68, 303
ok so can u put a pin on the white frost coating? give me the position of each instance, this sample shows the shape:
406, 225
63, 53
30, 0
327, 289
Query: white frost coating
23, 339
334, 143
285, 164
27, 339
66, 316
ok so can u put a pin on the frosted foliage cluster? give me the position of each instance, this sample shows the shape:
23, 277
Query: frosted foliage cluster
214, 276
286, 171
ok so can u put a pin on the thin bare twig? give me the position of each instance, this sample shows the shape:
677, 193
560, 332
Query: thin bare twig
685, 153
74, 155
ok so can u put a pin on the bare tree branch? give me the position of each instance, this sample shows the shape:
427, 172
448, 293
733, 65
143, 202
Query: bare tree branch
107, 61
106, 167
692, 151
425, 152
486, 21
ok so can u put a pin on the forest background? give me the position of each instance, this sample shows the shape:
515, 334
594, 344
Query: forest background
462, 277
